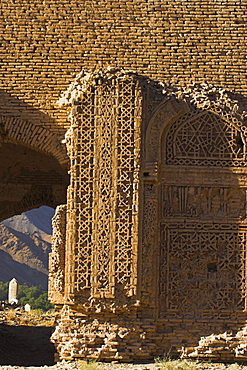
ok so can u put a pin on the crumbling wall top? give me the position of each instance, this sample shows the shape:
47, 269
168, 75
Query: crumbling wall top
202, 96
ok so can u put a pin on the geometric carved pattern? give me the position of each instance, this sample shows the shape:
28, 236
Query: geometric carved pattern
103, 195
204, 201
104, 162
80, 144
204, 267
201, 217
57, 256
205, 140
148, 246
192, 260
128, 162
203, 232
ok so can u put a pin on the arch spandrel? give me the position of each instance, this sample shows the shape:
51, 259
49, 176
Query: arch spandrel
168, 111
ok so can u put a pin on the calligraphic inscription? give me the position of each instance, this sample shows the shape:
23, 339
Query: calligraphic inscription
203, 201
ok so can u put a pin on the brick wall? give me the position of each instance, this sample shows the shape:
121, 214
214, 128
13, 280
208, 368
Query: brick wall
45, 43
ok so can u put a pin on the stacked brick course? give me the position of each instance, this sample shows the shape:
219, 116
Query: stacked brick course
44, 44
119, 282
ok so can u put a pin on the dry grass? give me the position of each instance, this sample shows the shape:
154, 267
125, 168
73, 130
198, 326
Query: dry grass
181, 364
32, 318
167, 364
91, 365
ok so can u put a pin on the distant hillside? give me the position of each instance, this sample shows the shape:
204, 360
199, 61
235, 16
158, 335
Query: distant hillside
25, 242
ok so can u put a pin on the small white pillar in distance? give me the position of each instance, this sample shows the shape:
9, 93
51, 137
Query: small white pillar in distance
27, 307
13, 291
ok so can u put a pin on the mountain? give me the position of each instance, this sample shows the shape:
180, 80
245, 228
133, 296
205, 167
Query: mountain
25, 243
35, 221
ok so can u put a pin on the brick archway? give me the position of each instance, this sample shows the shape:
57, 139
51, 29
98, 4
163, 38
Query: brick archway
22, 132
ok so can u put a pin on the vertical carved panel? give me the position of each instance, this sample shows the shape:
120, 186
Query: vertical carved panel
57, 256
80, 143
104, 187
127, 184
150, 223
116, 187
102, 228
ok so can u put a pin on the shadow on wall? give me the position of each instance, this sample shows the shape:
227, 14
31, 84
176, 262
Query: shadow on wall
33, 160
29, 179
11, 106
26, 345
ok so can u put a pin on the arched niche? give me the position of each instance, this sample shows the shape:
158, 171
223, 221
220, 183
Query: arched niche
194, 210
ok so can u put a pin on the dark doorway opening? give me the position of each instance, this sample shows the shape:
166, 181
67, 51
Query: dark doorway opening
26, 346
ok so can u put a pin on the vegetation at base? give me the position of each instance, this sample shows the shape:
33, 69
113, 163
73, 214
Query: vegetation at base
234, 367
4, 287
168, 364
91, 365
36, 296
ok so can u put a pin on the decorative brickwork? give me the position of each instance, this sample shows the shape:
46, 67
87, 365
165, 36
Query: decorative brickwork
149, 250
103, 144
16, 131
155, 253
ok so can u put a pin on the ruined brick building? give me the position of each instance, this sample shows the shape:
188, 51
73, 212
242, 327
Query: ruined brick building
130, 117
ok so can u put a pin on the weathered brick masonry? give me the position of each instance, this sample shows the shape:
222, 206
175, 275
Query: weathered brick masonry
149, 251
45, 43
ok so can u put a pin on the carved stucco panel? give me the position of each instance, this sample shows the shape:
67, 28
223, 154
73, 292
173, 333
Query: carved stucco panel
194, 138
169, 111
57, 256
103, 196
149, 246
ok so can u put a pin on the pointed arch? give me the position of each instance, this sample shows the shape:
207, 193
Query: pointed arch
174, 113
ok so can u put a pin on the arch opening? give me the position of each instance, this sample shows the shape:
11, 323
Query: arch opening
29, 179
33, 173
25, 244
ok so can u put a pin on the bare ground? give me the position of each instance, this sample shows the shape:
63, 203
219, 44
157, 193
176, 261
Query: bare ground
28, 346
111, 366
